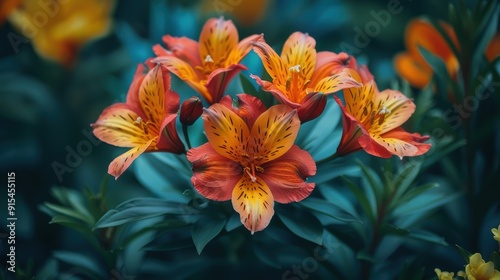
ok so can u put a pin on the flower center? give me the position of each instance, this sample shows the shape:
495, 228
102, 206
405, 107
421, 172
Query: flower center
145, 125
251, 165
295, 84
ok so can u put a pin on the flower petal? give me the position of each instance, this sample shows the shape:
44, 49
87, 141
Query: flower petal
274, 132
275, 90
214, 176
183, 48
359, 101
275, 67
227, 132
152, 94
121, 163
219, 79
243, 48
339, 81
217, 39
329, 63
286, 175
133, 90
184, 71
117, 125
421, 33
416, 72
414, 139
300, 49
395, 107
169, 140
351, 131
254, 202
383, 149
247, 106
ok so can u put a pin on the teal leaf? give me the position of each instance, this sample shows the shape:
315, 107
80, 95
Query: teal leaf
233, 222
89, 264
495, 258
302, 223
139, 209
265, 255
464, 253
427, 236
330, 209
205, 229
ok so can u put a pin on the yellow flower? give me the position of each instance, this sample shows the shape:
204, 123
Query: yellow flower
444, 275
496, 233
57, 29
478, 269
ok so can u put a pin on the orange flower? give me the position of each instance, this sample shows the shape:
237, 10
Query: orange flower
372, 120
207, 66
58, 29
493, 49
301, 71
411, 65
251, 159
146, 122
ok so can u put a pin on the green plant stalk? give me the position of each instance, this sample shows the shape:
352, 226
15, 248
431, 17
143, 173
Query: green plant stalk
186, 135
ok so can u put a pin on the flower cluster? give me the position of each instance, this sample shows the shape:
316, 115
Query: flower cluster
250, 156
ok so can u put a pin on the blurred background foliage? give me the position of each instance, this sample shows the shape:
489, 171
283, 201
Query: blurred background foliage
368, 217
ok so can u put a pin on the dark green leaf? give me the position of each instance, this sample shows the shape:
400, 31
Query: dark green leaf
440, 71
302, 223
427, 236
205, 229
139, 209
233, 222
405, 177
87, 263
368, 204
330, 209
465, 254
265, 255
363, 255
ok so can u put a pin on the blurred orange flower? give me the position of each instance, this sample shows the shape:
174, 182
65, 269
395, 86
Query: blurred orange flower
245, 12
412, 66
57, 29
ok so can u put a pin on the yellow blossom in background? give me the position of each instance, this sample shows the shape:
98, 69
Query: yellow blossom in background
58, 29
496, 233
444, 275
478, 269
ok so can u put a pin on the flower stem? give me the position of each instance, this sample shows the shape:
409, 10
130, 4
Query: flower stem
186, 135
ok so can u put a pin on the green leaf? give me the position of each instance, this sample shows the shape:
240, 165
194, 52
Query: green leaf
265, 255
465, 254
406, 177
68, 212
233, 222
368, 205
139, 209
364, 255
440, 71
484, 33
89, 264
415, 192
302, 223
205, 229
330, 209
427, 236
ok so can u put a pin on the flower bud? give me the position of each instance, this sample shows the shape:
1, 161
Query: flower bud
313, 105
191, 110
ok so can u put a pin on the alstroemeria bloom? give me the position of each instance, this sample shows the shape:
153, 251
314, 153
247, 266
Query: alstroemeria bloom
372, 119
251, 159
411, 65
299, 72
478, 269
57, 29
146, 122
207, 66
